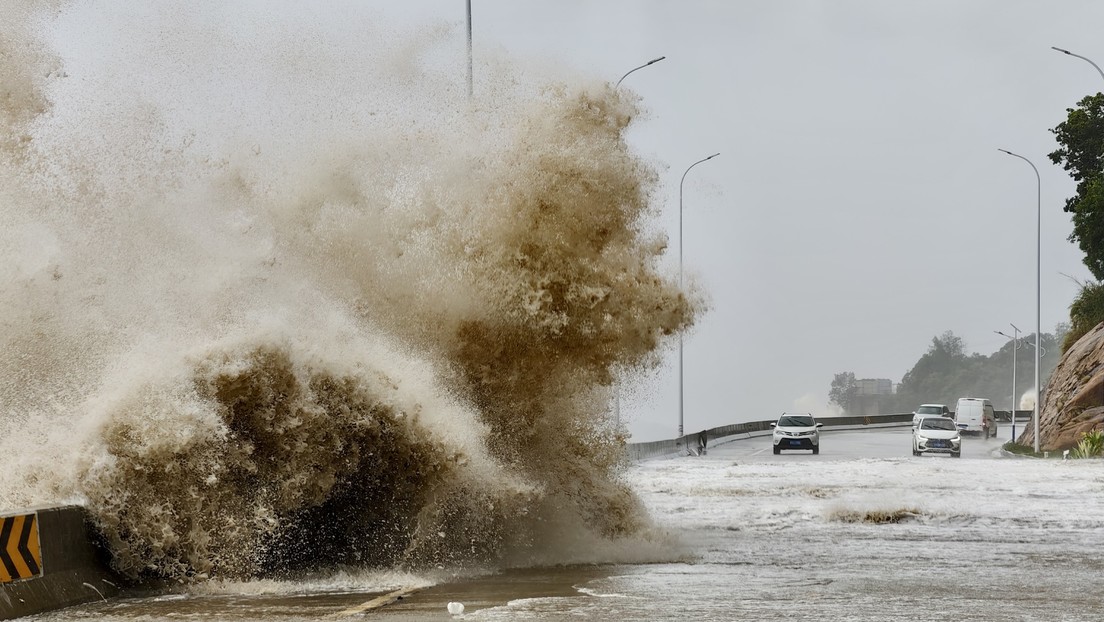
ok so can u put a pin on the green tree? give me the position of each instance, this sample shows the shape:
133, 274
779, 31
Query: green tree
1081, 137
940, 373
843, 391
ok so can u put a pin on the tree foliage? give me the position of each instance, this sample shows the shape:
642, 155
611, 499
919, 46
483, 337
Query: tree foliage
1086, 311
939, 374
1081, 153
843, 391
947, 372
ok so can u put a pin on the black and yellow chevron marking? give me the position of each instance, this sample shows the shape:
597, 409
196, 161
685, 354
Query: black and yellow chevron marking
19, 550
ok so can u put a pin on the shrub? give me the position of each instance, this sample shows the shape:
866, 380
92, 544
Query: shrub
1090, 446
1086, 311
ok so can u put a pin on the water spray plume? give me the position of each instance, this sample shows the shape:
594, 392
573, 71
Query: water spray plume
1027, 400
265, 295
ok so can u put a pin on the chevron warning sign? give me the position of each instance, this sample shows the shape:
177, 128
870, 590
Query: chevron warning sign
19, 553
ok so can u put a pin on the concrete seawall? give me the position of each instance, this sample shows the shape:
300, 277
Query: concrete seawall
49, 560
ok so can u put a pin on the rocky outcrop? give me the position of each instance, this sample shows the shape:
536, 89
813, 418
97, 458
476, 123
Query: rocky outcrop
1073, 402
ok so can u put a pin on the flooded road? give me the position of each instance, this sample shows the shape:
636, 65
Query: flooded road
863, 531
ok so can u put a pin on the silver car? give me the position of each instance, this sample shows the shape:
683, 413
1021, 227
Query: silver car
796, 431
937, 435
928, 410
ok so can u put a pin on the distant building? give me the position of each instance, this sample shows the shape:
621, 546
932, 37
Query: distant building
870, 396
875, 386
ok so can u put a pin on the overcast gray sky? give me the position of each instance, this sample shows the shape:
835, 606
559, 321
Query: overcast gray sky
859, 206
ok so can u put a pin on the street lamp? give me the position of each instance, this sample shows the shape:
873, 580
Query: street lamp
654, 60
1015, 347
680, 279
469, 51
1069, 53
616, 394
1038, 284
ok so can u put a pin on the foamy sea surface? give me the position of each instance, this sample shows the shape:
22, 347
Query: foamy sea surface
890, 537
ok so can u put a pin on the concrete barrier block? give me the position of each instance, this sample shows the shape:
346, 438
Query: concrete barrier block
69, 568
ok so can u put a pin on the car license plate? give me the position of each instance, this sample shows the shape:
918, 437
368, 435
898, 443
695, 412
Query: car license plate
937, 444
795, 442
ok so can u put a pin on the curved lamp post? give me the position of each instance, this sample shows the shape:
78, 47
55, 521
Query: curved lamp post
1015, 347
1069, 53
651, 62
680, 279
616, 394
1038, 285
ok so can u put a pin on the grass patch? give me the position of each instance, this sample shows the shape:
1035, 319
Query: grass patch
1028, 450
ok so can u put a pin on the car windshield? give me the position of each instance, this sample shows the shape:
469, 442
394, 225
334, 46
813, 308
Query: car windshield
934, 423
929, 410
796, 421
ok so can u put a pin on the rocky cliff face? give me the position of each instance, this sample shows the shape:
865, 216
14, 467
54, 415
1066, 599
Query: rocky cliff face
1073, 402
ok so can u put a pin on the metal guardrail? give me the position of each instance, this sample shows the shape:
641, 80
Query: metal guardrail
688, 442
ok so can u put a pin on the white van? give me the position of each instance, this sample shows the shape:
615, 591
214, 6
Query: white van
975, 414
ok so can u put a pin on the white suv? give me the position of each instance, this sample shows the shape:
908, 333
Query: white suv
930, 410
796, 431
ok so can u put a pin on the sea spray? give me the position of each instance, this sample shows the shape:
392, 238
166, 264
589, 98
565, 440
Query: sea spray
358, 321
261, 455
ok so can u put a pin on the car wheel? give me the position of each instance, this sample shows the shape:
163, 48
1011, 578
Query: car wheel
816, 450
777, 450
956, 455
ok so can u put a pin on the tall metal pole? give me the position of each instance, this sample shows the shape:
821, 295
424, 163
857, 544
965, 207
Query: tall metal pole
654, 60
1015, 352
1038, 285
1069, 53
1015, 355
469, 51
617, 394
683, 180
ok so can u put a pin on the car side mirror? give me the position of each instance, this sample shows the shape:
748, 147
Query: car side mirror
772, 425
819, 425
